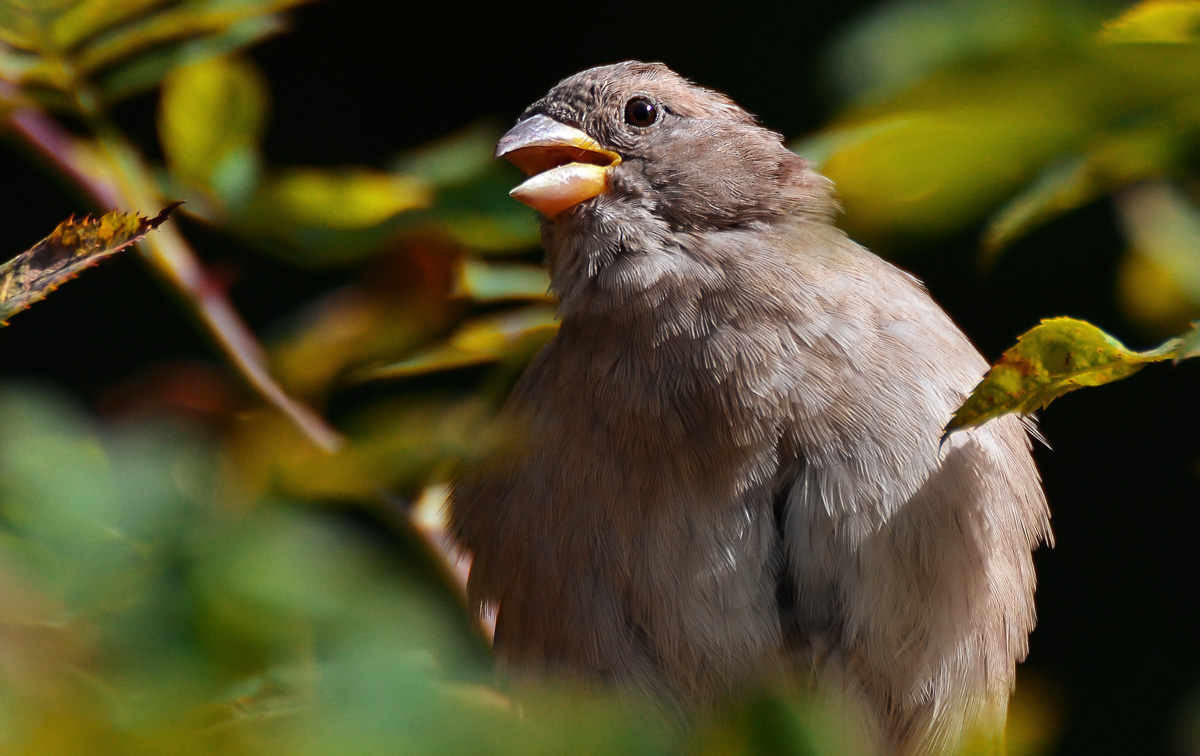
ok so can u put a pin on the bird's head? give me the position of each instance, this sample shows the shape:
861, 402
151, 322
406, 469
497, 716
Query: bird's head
635, 141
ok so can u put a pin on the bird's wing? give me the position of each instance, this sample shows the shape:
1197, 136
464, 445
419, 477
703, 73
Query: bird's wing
911, 557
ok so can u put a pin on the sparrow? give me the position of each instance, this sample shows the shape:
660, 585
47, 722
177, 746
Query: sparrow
729, 462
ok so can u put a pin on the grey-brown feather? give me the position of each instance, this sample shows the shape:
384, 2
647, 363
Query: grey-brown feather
725, 349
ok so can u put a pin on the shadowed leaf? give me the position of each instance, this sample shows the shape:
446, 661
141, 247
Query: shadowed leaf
73, 246
1057, 356
1117, 160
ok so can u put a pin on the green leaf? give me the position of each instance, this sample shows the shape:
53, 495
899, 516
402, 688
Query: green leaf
453, 160
491, 282
73, 246
211, 118
1162, 21
515, 334
1051, 359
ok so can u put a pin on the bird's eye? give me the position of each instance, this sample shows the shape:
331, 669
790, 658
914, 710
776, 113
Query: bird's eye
640, 112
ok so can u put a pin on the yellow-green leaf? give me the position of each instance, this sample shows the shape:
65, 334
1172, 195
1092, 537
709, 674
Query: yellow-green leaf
346, 198
73, 246
1171, 21
84, 19
210, 121
1057, 356
931, 170
493, 338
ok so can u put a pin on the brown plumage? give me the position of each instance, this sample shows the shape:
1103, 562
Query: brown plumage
728, 458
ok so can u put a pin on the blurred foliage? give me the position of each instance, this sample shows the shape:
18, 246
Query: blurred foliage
153, 603
206, 574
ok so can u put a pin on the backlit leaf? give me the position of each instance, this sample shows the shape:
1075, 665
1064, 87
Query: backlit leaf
73, 246
1172, 21
478, 213
1049, 360
15, 65
929, 171
211, 118
29, 24
1150, 296
489, 233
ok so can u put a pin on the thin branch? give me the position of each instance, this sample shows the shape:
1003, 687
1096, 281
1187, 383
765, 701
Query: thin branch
126, 183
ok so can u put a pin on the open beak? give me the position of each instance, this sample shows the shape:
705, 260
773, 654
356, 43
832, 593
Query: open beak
565, 165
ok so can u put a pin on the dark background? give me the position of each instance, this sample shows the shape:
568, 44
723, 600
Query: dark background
1115, 651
